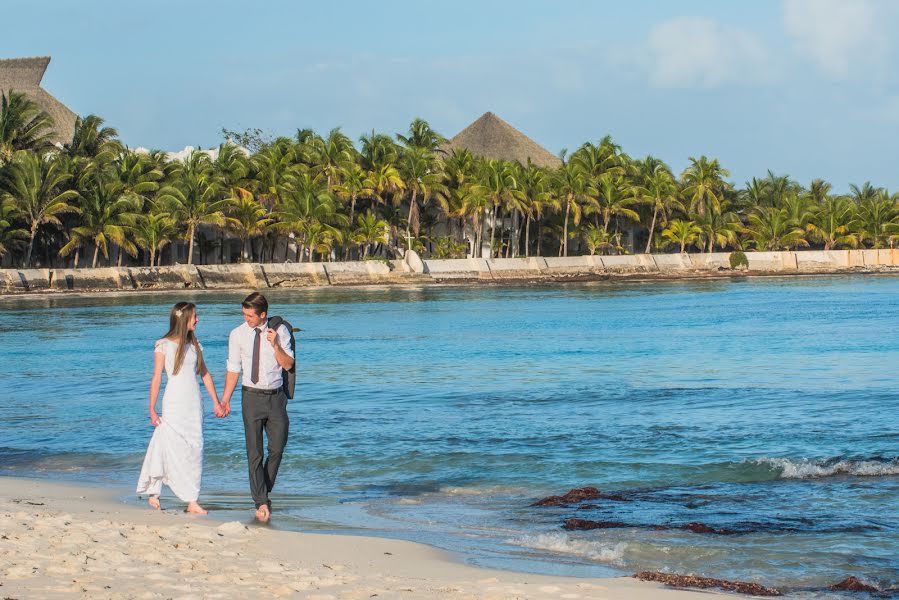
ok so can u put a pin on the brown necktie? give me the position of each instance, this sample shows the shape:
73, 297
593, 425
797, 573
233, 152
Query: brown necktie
254, 373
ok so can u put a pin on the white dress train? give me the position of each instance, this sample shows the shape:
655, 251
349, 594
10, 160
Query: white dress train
175, 454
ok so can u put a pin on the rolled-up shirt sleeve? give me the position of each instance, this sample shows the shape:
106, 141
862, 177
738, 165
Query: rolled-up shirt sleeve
284, 340
233, 362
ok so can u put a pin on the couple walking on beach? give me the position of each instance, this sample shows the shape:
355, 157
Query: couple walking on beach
259, 354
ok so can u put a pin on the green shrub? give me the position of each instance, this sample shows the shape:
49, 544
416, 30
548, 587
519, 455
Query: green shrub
738, 259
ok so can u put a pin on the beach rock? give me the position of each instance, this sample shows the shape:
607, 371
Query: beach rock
587, 525
703, 528
578, 495
853, 584
692, 581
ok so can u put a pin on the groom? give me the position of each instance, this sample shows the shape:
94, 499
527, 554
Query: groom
261, 353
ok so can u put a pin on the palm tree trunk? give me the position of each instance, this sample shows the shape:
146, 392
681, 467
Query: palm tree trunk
493, 229
527, 236
30, 245
539, 231
77, 255
565, 230
190, 248
96, 253
652, 228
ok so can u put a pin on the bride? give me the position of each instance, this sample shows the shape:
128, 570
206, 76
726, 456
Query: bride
175, 454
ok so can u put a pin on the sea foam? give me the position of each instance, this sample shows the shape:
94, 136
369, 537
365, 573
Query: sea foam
815, 469
562, 543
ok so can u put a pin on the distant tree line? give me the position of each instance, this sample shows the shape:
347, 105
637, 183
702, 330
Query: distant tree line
95, 202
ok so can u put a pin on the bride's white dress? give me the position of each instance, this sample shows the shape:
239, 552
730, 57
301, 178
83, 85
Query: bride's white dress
175, 454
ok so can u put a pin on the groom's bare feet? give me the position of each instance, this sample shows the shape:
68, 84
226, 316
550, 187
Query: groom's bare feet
153, 501
263, 514
195, 509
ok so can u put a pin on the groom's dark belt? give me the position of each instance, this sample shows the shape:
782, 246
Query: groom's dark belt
247, 388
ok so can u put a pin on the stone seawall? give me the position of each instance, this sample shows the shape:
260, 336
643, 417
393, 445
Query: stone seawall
416, 271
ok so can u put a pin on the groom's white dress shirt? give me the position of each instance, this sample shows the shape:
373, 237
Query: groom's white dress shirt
240, 355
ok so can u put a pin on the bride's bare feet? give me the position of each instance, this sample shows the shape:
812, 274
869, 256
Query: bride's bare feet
153, 501
263, 514
195, 509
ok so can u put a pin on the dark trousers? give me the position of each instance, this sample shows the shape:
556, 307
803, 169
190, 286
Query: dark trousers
268, 412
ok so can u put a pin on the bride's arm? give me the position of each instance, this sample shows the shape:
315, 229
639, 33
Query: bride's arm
155, 384
210, 387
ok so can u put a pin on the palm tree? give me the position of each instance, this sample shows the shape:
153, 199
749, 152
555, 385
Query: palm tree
92, 140
421, 136
11, 236
370, 230
598, 239
534, 186
832, 223
328, 155
23, 126
772, 229
106, 215
309, 202
682, 232
423, 177
378, 151
718, 228
195, 198
153, 232
658, 189
613, 200
354, 183
474, 204
876, 217
247, 218
704, 184
497, 183
36, 187
573, 188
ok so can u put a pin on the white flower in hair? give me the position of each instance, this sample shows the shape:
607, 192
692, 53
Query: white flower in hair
178, 313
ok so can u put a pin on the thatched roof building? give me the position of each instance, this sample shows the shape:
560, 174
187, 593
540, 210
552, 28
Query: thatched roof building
24, 75
491, 137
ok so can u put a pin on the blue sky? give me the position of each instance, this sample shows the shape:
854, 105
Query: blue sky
808, 88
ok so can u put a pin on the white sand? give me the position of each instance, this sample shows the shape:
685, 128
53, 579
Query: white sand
65, 541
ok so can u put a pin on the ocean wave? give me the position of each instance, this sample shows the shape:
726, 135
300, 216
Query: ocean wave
817, 469
562, 543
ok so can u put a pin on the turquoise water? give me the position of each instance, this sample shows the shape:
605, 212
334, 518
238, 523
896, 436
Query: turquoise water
766, 407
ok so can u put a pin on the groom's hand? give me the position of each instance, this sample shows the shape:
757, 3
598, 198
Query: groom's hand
225, 408
272, 336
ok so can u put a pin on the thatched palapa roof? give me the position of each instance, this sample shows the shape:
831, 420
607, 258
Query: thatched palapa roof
491, 137
24, 75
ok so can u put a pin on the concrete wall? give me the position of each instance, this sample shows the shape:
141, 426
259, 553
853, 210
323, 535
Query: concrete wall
296, 274
517, 268
246, 276
573, 266
633, 263
669, 263
772, 261
293, 275
357, 272
822, 260
712, 261
176, 277
458, 269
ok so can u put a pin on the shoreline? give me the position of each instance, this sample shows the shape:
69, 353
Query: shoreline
415, 272
611, 279
112, 549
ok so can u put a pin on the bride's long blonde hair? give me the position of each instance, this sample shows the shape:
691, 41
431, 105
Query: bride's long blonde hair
179, 331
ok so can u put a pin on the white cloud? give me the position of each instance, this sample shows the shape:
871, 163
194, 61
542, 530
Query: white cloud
701, 52
842, 37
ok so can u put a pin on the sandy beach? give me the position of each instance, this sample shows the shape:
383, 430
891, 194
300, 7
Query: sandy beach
66, 541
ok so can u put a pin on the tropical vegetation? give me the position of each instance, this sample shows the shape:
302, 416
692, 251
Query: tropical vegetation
313, 197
